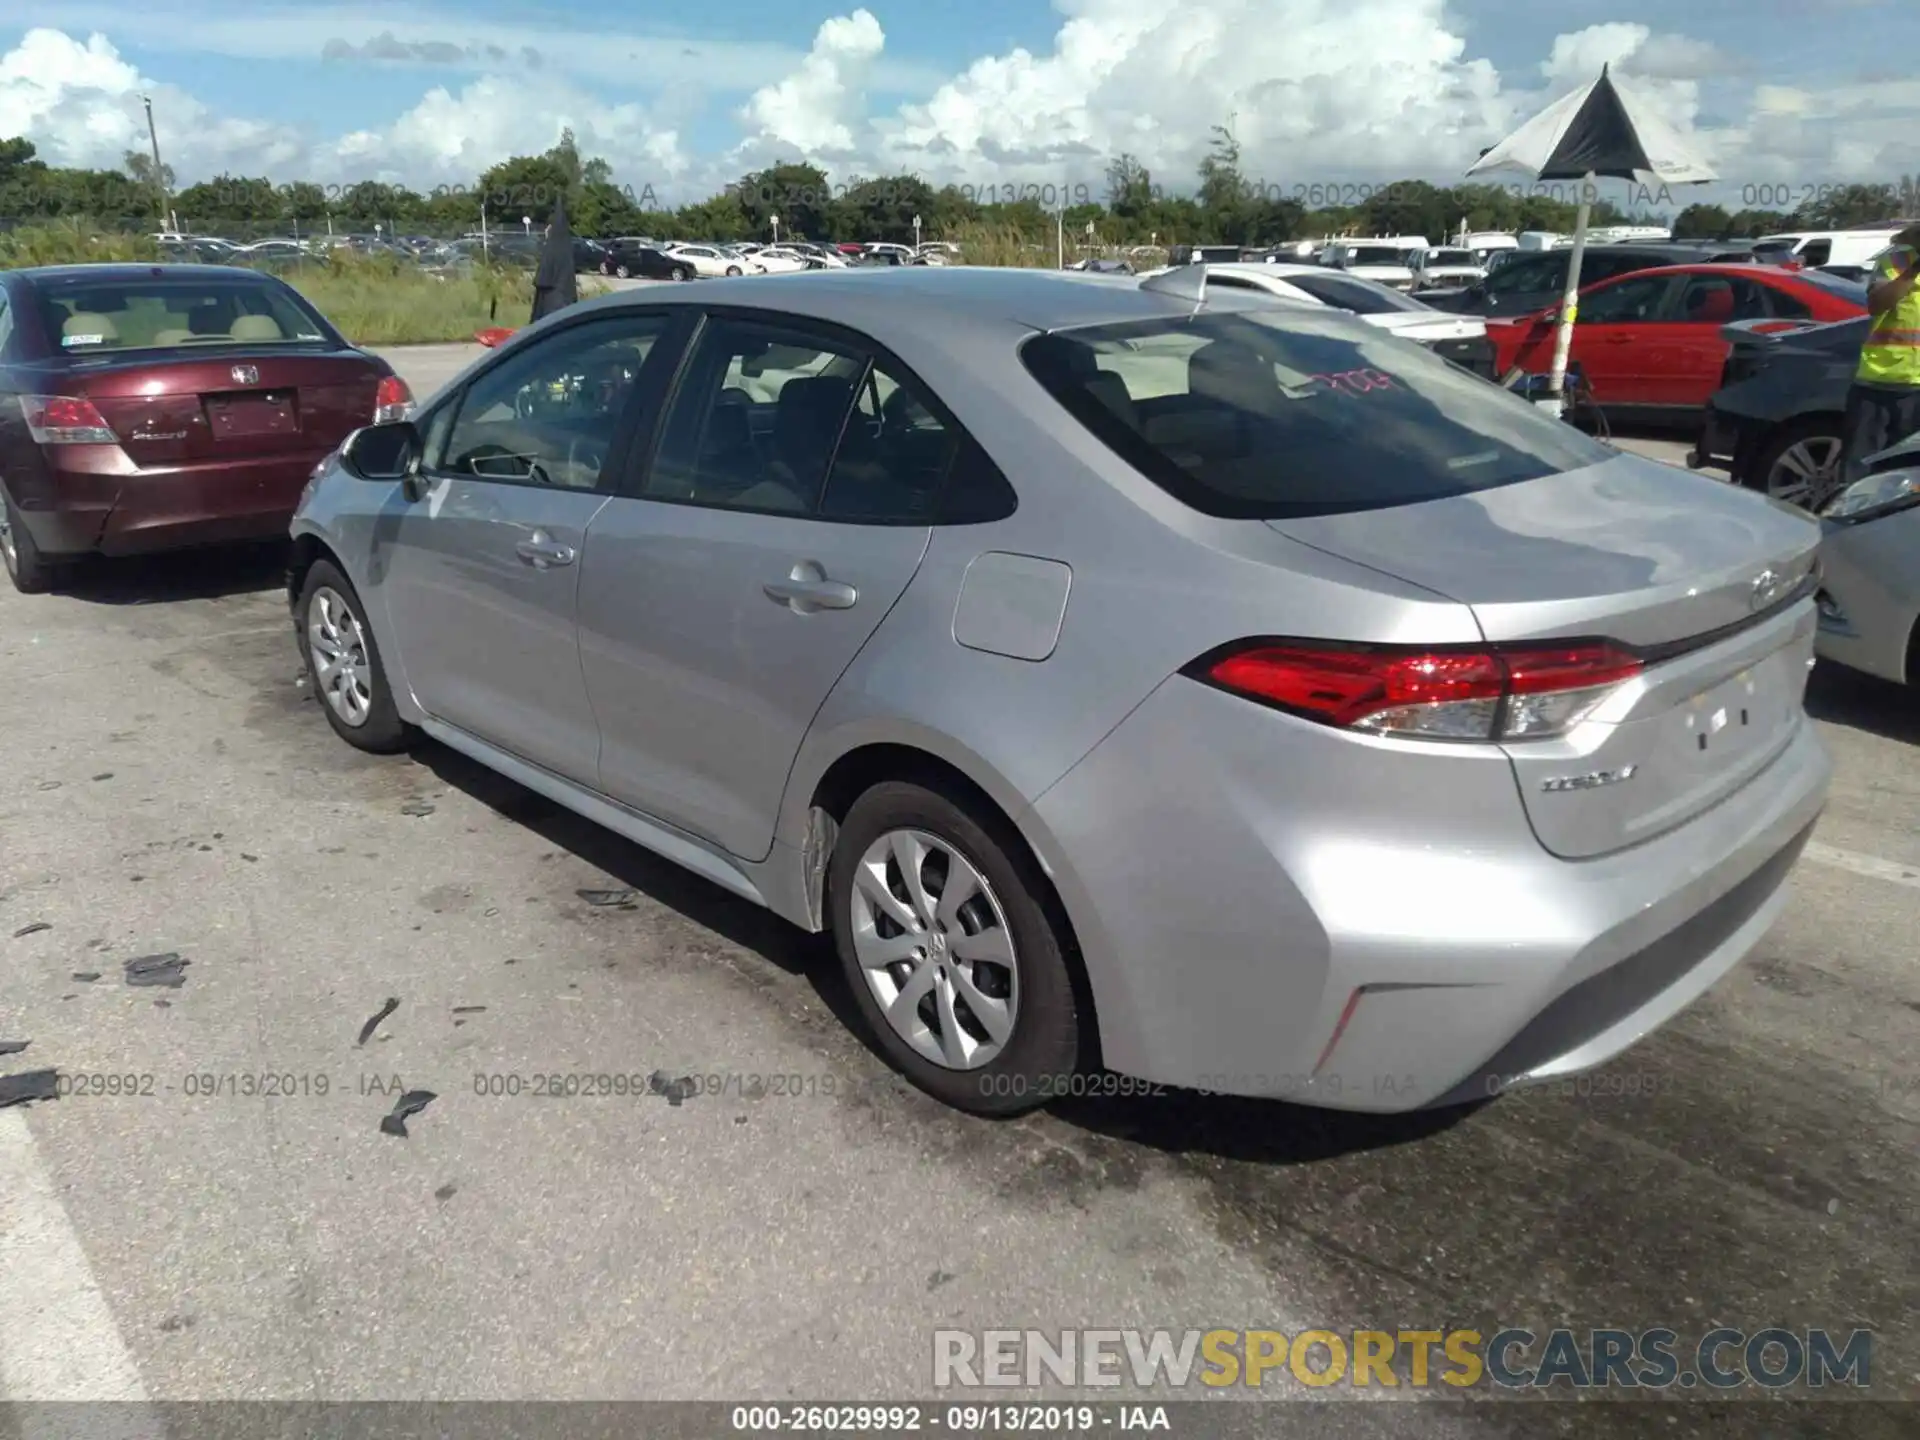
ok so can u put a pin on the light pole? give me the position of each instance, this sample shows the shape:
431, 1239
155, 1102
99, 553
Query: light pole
775, 219
916, 232
159, 171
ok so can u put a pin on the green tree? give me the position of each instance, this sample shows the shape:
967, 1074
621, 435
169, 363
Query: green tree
1849, 205
524, 185
1129, 188
883, 208
798, 194
1702, 222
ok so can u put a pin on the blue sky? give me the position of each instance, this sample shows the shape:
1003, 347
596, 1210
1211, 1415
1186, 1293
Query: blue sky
1338, 88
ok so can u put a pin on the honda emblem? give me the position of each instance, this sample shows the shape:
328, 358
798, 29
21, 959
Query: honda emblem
246, 375
1768, 586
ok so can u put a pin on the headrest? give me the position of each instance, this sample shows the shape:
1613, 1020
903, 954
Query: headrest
257, 327
85, 328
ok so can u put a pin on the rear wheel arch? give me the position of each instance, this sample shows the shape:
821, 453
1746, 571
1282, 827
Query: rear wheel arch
860, 769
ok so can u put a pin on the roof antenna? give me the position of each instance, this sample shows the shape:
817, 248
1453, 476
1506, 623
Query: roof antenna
1182, 282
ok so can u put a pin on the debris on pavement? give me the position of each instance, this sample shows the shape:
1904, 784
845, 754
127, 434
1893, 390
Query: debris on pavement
250, 859
104, 775
609, 899
469, 1009
13, 1047
33, 1085
366, 1030
673, 1091
446, 1193
411, 1103
86, 977
157, 970
416, 808
939, 1278
34, 929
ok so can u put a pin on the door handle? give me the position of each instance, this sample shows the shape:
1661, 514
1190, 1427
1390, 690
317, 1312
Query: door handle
542, 553
807, 590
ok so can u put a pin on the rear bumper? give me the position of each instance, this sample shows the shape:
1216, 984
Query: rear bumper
1364, 925
102, 503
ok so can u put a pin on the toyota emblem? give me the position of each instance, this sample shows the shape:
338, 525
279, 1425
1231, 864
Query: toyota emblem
246, 375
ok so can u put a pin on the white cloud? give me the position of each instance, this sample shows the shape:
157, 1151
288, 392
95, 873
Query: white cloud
79, 102
1317, 91
819, 108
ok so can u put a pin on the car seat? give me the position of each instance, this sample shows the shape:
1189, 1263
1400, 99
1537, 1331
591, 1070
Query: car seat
257, 327
1712, 307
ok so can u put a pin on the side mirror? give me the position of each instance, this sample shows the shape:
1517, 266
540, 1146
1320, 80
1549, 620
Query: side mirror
382, 452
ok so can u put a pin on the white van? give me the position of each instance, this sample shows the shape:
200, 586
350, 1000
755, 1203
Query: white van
1813, 248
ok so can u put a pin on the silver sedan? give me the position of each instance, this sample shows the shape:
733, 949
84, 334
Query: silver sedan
1135, 682
1870, 593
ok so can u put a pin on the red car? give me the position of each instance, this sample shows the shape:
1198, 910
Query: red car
1649, 343
156, 407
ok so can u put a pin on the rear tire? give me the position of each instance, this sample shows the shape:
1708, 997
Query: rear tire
1800, 464
30, 571
996, 1028
680, 272
623, 272
733, 269
343, 664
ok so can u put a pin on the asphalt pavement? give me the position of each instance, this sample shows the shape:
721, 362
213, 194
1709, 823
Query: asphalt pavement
239, 1225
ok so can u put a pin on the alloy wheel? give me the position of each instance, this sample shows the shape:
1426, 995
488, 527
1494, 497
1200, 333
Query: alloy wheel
935, 949
1807, 472
342, 670
8, 555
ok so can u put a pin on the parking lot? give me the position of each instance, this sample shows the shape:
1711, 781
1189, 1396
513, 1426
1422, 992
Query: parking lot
172, 788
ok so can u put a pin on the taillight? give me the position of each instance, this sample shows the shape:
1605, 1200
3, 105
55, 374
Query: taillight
392, 400
65, 420
1498, 693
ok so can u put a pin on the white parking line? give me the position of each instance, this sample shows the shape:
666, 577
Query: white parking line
1872, 866
58, 1341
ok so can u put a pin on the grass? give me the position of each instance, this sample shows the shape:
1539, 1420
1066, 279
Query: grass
383, 302
371, 300
1004, 245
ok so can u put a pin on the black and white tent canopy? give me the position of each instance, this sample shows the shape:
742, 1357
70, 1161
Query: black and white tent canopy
1597, 132
1601, 131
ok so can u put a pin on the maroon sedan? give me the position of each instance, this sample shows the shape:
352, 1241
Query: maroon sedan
157, 407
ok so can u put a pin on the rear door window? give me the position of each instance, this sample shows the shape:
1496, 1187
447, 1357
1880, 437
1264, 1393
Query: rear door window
1279, 413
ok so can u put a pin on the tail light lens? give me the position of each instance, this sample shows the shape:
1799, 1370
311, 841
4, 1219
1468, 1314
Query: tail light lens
65, 420
392, 401
1496, 694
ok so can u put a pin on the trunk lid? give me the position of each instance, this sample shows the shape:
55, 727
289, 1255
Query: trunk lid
1694, 574
235, 404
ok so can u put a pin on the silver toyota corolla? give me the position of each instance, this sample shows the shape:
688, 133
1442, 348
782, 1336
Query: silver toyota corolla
1870, 596
1223, 693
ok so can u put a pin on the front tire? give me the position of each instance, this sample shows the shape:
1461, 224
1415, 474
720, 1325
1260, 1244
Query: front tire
623, 272
956, 963
680, 272
344, 666
733, 269
30, 571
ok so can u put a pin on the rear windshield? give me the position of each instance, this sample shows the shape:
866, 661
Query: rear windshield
87, 316
1354, 292
1273, 414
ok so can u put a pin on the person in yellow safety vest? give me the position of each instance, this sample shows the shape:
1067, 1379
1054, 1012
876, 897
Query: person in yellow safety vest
1883, 407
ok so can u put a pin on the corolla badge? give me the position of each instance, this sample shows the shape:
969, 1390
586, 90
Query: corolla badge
246, 375
1560, 784
1768, 586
